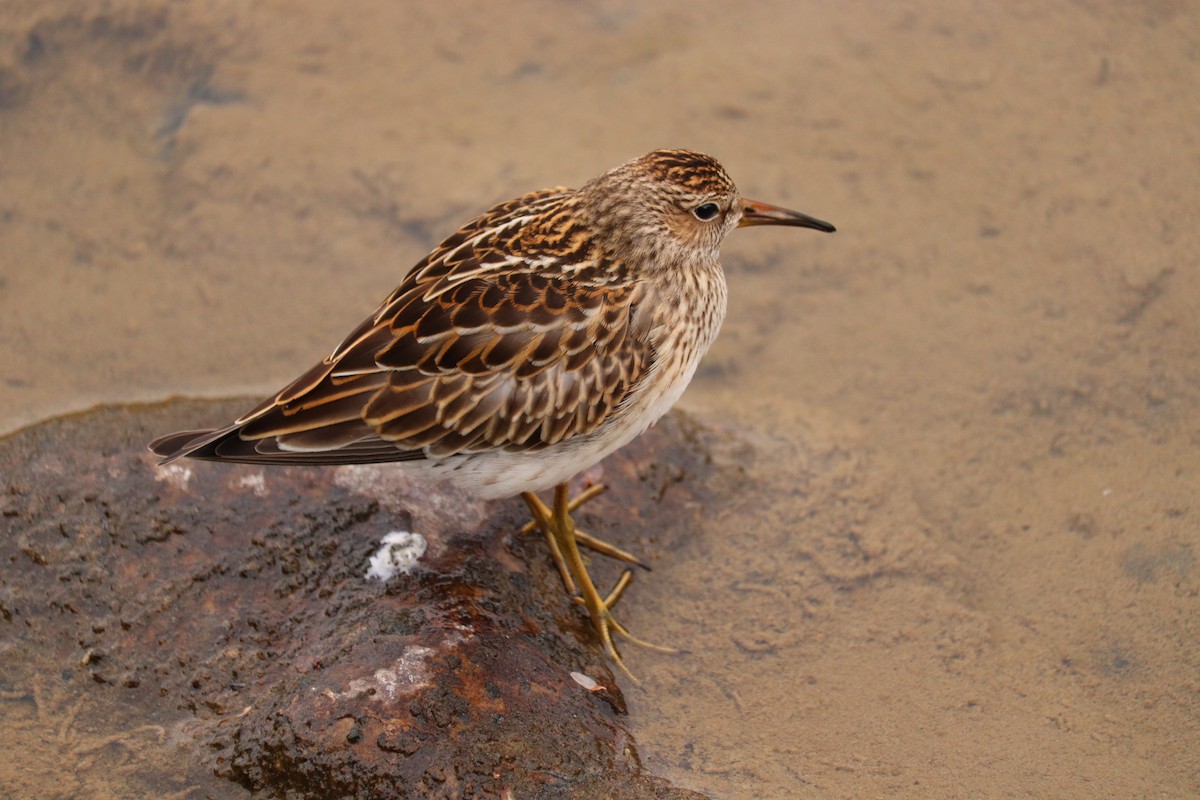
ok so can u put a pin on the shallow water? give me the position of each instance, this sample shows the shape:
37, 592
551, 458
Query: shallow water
970, 569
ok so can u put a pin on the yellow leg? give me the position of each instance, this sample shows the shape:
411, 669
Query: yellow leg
564, 542
590, 542
563, 530
619, 589
542, 519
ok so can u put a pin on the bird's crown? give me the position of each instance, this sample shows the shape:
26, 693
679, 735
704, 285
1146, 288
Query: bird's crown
693, 172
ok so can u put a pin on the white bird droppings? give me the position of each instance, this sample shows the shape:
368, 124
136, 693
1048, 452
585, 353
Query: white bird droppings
178, 475
256, 482
400, 552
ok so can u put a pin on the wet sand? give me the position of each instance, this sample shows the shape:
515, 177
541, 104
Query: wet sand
976, 404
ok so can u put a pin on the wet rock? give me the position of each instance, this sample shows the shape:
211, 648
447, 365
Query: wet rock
226, 610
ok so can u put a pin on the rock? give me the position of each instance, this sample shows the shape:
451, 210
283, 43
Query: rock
223, 612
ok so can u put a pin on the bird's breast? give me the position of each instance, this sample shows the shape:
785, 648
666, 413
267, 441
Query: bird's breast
687, 317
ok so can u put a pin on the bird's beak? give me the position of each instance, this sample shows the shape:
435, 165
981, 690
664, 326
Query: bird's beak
756, 213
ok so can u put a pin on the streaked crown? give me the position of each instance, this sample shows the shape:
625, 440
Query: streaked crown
695, 173
645, 208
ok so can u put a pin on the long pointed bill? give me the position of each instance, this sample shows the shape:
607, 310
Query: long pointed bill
756, 213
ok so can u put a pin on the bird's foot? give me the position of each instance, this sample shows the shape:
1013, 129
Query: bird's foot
542, 518
564, 543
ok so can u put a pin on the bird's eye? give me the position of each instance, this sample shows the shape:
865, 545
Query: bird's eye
706, 211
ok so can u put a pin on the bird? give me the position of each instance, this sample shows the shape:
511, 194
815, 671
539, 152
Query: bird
540, 337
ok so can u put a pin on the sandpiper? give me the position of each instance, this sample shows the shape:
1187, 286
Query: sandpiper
531, 343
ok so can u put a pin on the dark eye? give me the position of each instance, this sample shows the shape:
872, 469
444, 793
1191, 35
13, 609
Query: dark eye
706, 211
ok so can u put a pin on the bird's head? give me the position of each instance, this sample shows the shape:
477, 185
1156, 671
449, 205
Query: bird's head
672, 204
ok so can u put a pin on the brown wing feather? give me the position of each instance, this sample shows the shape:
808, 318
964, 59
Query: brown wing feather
524, 381
477, 349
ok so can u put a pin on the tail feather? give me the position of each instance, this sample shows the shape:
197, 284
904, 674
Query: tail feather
187, 443
225, 444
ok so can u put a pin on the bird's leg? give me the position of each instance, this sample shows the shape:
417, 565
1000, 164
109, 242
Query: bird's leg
611, 600
609, 549
618, 589
542, 519
563, 530
564, 542
590, 542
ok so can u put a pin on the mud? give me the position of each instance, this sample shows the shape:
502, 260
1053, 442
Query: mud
962, 561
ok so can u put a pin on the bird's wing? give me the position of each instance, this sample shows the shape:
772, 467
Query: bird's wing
502, 338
